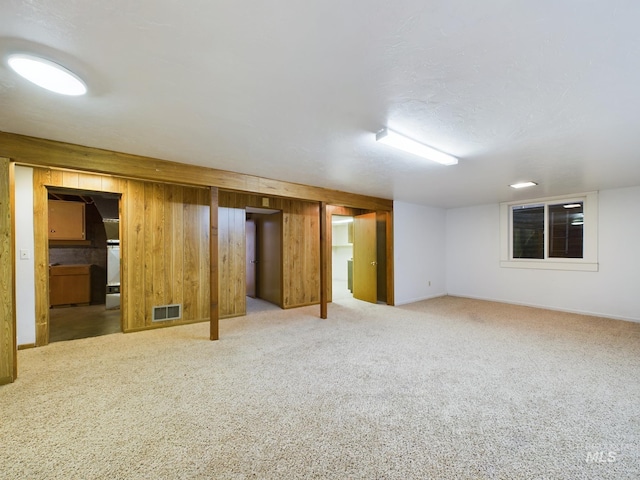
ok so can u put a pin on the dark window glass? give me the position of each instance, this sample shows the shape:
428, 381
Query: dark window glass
528, 231
565, 230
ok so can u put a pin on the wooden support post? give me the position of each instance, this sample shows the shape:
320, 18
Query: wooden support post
214, 312
8, 350
323, 260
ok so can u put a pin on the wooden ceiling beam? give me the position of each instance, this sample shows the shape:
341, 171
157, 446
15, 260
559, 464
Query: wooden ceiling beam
41, 152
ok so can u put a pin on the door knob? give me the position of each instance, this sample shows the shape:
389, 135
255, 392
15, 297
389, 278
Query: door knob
374, 263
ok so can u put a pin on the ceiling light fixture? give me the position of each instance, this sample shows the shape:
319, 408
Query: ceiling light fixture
523, 185
572, 205
394, 139
47, 74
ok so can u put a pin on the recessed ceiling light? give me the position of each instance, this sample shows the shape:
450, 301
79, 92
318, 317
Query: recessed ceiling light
394, 139
523, 185
47, 74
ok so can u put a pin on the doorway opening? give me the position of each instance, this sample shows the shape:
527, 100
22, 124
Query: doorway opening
84, 264
359, 255
341, 257
263, 233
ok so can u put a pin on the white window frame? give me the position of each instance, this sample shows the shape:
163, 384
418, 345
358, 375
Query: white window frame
589, 262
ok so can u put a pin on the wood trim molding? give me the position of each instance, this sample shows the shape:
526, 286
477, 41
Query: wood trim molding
8, 348
12, 250
41, 152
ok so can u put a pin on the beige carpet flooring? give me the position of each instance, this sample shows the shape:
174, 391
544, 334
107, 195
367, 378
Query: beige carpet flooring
446, 388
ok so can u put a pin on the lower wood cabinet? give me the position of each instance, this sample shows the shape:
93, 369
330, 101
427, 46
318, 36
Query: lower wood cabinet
69, 284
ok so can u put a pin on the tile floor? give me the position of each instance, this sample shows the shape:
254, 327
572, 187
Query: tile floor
71, 323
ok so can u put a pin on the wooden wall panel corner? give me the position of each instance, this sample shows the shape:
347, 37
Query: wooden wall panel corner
41, 178
133, 248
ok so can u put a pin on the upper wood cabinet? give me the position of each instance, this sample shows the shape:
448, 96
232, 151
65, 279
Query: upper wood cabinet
66, 220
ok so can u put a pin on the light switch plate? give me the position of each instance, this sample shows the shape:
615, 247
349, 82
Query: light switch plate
24, 254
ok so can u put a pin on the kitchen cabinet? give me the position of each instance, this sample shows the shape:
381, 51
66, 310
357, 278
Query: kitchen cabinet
69, 284
66, 220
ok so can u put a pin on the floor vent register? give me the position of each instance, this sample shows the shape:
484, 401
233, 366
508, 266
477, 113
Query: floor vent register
167, 312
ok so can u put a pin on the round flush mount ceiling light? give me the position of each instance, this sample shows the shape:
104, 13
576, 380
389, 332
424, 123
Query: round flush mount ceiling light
47, 74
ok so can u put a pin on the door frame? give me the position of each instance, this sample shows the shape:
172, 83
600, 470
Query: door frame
385, 216
251, 254
82, 192
41, 252
262, 216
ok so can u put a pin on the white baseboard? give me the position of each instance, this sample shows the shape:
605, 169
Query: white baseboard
547, 307
419, 299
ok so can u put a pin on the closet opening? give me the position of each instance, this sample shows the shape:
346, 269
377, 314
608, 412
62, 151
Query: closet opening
341, 257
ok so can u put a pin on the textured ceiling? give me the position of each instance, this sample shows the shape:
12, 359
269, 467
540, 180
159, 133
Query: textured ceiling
545, 91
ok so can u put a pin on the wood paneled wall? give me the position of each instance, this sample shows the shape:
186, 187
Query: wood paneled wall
232, 261
301, 253
300, 244
8, 368
164, 247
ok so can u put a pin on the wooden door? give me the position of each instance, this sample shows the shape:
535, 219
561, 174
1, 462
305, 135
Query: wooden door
365, 260
251, 258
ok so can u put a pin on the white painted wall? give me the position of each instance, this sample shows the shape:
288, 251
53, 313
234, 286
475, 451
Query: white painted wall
418, 252
473, 255
25, 268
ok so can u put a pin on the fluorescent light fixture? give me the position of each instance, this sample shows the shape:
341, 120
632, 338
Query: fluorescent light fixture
523, 185
572, 205
47, 74
394, 139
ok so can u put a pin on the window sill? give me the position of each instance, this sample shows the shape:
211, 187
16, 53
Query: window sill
550, 265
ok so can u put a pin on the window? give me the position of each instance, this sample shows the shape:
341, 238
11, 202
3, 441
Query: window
557, 233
